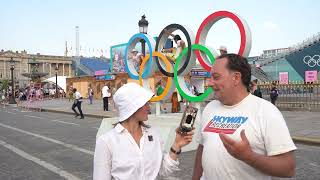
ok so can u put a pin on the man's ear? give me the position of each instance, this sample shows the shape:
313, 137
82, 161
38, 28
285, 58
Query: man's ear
237, 78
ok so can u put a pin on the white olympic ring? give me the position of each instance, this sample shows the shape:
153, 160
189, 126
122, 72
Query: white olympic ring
312, 61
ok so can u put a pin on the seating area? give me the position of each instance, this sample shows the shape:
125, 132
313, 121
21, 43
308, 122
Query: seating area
95, 64
295, 48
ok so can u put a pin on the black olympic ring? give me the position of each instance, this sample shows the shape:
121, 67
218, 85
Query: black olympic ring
161, 40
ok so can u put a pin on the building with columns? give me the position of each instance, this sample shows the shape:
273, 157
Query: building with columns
48, 63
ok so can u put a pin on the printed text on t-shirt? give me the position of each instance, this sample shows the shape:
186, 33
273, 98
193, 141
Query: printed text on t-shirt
225, 124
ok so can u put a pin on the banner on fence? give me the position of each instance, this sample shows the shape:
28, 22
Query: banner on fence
283, 78
311, 76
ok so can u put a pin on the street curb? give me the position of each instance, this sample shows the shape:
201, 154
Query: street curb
65, 112
306, 140
296, 139
298, 109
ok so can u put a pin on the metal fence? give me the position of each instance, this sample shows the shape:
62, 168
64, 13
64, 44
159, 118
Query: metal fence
295, 95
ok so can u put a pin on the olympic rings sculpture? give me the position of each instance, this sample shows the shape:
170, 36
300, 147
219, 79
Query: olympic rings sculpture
195, 49
312, 61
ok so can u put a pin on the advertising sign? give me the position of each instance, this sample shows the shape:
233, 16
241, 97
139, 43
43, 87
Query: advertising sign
283, 77
311, 76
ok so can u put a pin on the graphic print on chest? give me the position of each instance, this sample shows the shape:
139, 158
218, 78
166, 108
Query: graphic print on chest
225, 124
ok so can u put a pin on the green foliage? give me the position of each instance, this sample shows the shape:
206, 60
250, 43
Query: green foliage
4, 84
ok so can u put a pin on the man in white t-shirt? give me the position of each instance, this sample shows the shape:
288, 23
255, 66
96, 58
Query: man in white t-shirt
77, 103
241, 136
105, 95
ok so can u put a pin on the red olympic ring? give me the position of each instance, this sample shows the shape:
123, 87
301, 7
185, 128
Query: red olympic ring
245, 44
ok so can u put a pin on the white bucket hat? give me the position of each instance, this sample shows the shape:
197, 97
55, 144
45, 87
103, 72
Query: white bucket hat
129, 98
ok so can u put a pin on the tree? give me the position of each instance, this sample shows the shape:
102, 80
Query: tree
4, 84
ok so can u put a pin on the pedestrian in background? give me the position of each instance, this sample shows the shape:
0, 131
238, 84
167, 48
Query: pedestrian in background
90, 94
105, 95
274, 93
159, 91
223, 50
175, 104
77, 103
70, 93
255, 89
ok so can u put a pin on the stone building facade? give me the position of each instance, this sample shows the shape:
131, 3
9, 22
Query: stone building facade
48, 65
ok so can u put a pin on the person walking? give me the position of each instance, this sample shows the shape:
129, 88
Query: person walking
77, 103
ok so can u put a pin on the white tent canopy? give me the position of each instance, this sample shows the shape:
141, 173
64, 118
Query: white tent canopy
62, 81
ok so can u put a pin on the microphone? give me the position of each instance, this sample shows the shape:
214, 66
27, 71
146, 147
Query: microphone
150, 138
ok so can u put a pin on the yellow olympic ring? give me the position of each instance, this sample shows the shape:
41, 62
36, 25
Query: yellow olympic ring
169, 80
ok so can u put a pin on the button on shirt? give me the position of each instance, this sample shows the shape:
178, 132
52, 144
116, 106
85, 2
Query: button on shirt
117, 156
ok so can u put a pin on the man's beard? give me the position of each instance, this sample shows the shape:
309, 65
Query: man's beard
221, 91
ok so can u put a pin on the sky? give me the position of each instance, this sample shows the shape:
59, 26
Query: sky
44, 27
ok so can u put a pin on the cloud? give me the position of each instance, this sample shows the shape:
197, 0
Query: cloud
268, 25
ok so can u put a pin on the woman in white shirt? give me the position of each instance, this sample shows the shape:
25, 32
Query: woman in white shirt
132, 150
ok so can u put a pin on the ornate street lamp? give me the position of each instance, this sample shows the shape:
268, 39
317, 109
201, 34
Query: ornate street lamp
12, 99
143, 28
56, 70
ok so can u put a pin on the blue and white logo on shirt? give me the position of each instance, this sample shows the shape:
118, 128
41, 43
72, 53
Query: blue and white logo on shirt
225, 124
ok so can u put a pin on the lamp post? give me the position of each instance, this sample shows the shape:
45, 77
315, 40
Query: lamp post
12, 99
143, 28
56, 70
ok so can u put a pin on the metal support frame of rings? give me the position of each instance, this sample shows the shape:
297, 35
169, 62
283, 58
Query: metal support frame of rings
186, 60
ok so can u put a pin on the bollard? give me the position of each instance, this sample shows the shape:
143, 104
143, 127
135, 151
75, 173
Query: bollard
158, 109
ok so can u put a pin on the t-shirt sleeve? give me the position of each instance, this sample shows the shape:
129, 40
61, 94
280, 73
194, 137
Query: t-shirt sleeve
199, 137
276, 134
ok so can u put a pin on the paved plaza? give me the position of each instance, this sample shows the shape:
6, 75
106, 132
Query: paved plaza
55, 145
303, 125
58, 57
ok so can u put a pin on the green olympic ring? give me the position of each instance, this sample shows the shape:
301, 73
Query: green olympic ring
180, 79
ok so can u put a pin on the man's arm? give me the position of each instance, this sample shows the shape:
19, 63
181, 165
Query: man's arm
168, 33
197, 170
282, 165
